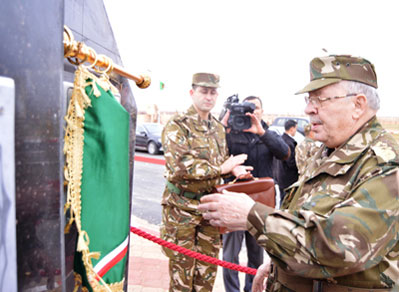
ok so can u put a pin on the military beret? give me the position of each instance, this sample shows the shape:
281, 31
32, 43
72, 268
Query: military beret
206, 79
334, 68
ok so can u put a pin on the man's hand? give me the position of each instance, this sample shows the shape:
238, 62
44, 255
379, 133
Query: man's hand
228, 210
232, 162
242, 172
259, 282
224, 121
225, 118
256, 126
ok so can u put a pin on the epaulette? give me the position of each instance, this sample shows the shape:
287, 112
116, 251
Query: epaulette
386, 147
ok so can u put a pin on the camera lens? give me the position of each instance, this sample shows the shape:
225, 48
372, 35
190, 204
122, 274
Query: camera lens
239, 121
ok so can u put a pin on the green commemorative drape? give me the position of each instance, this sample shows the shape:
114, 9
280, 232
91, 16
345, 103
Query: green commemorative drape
97, 174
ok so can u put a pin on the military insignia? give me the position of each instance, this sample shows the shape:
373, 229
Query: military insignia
384, 151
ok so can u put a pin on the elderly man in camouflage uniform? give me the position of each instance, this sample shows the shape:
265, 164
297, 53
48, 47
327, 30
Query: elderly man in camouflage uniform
338, 229
196, 158
305, 150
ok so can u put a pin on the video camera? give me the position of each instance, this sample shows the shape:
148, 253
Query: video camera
238, 120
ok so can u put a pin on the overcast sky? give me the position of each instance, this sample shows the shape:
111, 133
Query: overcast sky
258, 48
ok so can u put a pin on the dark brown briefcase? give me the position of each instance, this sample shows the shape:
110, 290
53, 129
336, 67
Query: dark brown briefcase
260, 189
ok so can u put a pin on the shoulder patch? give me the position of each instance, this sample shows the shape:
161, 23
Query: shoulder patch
384, 151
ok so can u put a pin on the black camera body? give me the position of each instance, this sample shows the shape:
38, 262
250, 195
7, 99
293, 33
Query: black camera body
238, 120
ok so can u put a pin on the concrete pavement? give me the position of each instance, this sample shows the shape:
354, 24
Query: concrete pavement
148, 267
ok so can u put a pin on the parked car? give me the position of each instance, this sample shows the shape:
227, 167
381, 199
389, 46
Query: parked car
148, 137
302, 122
278, 127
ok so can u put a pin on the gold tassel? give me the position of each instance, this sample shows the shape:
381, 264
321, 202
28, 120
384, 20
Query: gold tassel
78, 282
94, 255
94, 89
69, 225
83, 244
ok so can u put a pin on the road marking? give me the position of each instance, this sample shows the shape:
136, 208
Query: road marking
149, 160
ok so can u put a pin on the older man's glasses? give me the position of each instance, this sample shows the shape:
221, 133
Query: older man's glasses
318, 100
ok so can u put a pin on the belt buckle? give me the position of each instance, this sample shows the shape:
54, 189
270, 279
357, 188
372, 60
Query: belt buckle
317, 286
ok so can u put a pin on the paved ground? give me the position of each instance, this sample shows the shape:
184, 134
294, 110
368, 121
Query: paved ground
148, 267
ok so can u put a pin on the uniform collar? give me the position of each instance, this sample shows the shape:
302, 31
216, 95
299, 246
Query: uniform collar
200, 124
342, 158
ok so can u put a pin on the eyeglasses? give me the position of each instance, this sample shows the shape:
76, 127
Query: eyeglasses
317, 100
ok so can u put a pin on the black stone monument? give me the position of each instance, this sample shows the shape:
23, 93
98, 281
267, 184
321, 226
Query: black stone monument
32, 59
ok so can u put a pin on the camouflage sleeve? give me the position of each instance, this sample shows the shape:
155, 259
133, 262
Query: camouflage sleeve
355, 235
185, 161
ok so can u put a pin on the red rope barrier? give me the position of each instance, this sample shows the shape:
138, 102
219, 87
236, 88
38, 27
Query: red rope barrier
191, 253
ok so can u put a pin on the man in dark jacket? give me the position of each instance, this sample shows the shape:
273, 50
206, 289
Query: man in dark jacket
261, 146
287, 171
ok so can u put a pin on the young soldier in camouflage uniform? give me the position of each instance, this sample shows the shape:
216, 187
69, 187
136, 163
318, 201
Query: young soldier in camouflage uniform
196, 158
305, 150
338, 229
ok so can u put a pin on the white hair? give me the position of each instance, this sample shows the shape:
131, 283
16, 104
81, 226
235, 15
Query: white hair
369, 91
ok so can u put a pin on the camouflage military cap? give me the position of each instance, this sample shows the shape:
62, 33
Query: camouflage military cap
334, 68
206, 79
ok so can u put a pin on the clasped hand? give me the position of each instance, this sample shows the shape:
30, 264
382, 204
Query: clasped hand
233, 165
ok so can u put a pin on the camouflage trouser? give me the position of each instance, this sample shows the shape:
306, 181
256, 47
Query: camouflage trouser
192, 232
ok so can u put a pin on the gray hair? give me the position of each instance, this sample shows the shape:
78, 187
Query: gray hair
369, 91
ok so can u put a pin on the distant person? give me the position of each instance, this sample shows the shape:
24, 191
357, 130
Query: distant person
286, 170
338, 227
261, 146
196, 156
305, 150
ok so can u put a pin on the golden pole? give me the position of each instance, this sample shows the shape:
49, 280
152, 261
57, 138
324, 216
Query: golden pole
78, 50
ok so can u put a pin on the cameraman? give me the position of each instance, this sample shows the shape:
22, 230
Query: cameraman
261, 146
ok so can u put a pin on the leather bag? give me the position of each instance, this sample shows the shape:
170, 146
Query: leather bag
259, 189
